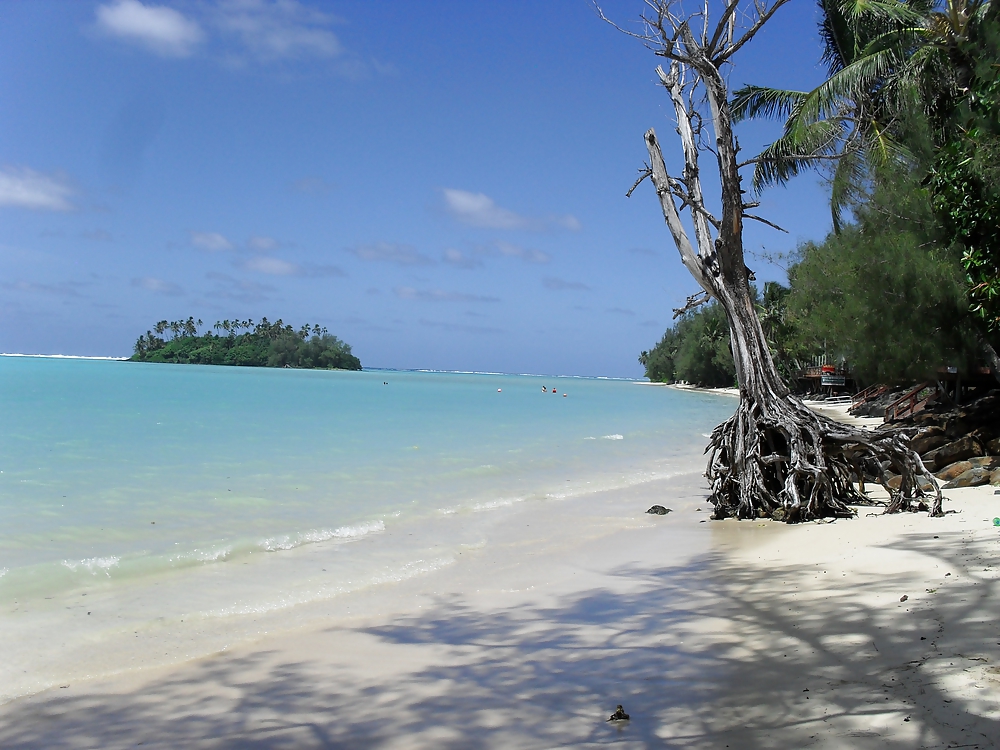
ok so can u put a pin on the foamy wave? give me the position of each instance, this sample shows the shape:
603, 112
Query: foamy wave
3, 572
274, 544
614, 437
93, 564
501, 503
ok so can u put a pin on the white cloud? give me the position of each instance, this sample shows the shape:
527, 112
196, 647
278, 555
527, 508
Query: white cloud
22, 187
438, 295
156, 27
213, 242
479, 210
458, 259
279, 29
515, 251
263, 243
403, 255
272, 266
159, 286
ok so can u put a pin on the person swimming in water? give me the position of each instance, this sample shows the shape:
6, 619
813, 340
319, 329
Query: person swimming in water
544, 389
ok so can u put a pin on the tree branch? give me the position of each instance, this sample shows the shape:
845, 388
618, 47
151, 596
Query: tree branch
765, 221
695, 300
763, 16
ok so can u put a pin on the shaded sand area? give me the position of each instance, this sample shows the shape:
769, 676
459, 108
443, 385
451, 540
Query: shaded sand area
711, 634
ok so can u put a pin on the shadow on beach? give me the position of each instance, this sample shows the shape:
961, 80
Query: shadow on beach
710, 655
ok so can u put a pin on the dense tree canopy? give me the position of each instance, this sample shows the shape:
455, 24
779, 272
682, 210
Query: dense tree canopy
263, 344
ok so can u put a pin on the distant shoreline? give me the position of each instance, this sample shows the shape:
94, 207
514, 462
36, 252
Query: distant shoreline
62, 356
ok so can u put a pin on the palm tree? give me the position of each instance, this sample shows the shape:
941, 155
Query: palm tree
885, 59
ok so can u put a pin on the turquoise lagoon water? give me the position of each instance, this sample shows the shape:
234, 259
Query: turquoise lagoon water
171, 493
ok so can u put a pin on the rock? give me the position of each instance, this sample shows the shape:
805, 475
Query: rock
618, 715
986, 462
778, 514
659, 510
993, 446
972, 478
965, 447
951, 471
995, 477
903, 598
923, 443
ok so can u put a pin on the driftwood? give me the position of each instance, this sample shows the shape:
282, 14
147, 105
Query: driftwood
775, 457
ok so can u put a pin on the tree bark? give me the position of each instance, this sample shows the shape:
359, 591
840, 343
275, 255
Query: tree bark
775, 457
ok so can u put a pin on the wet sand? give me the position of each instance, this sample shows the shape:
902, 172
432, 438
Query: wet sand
712, 634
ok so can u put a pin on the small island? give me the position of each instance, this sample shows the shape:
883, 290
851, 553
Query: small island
243, 343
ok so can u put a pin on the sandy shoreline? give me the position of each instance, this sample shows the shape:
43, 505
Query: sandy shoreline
713, 634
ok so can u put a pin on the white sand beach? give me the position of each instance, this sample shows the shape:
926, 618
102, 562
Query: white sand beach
711, 634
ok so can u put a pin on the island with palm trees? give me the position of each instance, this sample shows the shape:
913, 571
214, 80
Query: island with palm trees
245, 343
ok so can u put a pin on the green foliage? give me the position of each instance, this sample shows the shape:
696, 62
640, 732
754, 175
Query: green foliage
263, 344
886, 293
964, 175
695, 350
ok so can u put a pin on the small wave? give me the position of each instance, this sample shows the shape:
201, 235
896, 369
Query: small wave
206, 555
274, 544
614, 437
494, 504
3, 572
94, 564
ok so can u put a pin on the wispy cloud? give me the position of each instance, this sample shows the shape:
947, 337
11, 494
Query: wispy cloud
480, 210
438, 295
312, 186
263, 244
158, 28
515, 251
458, 327
560, 285
277, 30
458, 259
97, 235
213, 242
241, 290
403, 255
22, 187
271, 266
63, 289
157, 286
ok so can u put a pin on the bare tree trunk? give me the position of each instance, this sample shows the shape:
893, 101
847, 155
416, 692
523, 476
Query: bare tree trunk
774, 457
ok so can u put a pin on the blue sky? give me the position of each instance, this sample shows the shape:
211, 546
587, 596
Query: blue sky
441, 184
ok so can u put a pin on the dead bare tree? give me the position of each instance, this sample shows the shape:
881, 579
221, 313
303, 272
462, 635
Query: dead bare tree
775, 457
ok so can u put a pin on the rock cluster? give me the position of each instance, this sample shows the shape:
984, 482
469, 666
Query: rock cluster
960, 446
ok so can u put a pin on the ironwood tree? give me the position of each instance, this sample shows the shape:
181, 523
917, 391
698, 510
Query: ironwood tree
774, 457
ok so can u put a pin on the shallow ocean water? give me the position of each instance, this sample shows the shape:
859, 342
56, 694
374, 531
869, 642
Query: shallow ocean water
134, 497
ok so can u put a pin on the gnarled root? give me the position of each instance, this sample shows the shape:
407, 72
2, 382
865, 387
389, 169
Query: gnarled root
784, 461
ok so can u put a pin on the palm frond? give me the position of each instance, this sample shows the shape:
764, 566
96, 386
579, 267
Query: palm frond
751, 102
798, 150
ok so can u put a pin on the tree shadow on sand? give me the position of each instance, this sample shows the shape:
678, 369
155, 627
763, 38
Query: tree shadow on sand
708, 655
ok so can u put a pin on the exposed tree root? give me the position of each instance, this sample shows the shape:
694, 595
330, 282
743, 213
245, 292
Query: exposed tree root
784, 461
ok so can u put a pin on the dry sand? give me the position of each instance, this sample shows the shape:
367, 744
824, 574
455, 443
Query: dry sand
712, 635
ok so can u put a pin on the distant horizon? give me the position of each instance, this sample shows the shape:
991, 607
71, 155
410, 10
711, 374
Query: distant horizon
446, 190
364, 369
